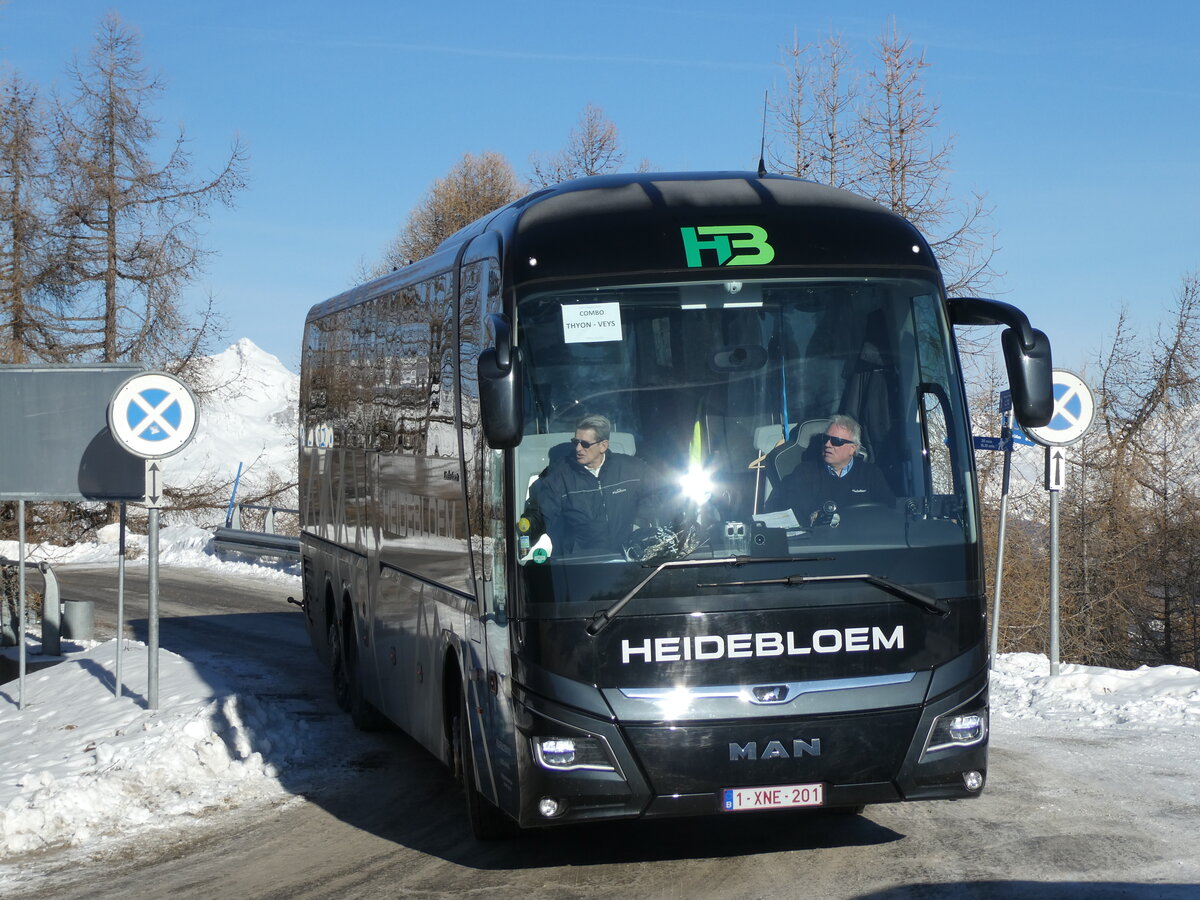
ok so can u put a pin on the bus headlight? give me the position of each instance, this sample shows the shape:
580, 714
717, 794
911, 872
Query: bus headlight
958, 729
565, 754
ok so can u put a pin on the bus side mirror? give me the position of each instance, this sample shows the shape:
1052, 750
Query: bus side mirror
500, 399
1030, 377
1026, 355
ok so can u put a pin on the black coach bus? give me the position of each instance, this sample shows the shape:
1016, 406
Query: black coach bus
735, 655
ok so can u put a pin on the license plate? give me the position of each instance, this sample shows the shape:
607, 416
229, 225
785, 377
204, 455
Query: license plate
780, 796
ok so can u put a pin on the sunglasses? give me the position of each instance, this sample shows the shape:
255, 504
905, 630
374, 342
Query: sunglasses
586, 445
836, 441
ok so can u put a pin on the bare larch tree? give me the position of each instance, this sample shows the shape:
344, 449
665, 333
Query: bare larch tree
476, 186
25, 325
126, 224
593, 148
817, 114
877, 133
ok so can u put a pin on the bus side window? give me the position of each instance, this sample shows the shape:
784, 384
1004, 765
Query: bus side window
479, 296
944, 497
935, 434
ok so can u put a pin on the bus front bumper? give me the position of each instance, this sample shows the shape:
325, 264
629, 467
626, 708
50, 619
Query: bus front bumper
577, 767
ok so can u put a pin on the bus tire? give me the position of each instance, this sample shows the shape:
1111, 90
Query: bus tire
347, 686
337, 669
486, 820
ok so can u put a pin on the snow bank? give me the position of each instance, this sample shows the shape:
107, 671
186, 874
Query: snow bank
78, 764
1161, 698
178, 545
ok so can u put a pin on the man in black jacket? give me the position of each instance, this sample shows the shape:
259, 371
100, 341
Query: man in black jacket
840, 478
591, 501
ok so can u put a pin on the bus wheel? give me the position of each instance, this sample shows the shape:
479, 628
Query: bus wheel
347, 689
487, 822
337, 668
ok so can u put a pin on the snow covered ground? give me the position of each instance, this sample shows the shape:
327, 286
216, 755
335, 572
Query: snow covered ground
79, 765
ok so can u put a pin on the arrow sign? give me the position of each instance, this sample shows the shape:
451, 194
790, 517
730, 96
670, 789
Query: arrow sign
154, 491
1056, 468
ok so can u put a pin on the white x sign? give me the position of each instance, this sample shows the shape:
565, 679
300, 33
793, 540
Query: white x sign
154, 414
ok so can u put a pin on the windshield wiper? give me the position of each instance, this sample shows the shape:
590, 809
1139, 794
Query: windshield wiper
601, 619
923, 600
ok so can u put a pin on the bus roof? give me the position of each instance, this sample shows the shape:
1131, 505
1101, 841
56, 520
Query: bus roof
677, 225
630, 223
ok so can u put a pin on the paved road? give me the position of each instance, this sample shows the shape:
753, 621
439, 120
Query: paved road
385, 821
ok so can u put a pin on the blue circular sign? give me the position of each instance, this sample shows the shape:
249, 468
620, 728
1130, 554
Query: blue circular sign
1074, 411
153, 415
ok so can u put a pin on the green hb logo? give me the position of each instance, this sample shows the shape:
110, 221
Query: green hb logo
735, 245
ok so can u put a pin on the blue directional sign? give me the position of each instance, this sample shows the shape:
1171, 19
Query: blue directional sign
1074, 410
984, 442
153, 415
1020, 437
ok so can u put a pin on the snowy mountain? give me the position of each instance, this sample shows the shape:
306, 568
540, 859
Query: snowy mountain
248, 415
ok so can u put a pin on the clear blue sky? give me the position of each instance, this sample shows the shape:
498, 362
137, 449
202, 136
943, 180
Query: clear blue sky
1081, 123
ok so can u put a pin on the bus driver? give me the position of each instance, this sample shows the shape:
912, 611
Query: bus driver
591, 500
840, 478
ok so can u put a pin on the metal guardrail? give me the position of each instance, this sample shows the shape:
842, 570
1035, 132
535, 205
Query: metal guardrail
257, 543
233, 538
234, 519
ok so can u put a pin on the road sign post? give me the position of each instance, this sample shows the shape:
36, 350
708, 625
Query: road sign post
1007, 445
117, 687
21, 608
1056, 477
56, 445
153, 415
1074, 411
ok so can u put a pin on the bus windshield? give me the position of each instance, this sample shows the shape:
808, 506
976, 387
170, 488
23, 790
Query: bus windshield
775, 420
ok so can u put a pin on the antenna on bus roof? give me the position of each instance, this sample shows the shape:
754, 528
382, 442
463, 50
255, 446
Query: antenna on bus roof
762, 148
